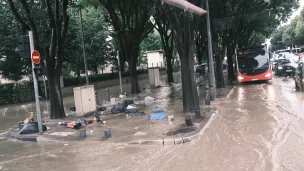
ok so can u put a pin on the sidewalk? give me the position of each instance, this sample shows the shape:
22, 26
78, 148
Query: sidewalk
136, 129
139, 129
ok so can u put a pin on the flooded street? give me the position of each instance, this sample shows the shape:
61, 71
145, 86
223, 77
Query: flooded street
257, 127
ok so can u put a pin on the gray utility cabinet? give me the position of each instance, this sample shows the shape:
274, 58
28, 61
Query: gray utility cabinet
154, 80
84, 98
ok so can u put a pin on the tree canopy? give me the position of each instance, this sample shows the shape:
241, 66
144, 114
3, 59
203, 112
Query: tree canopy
290, 34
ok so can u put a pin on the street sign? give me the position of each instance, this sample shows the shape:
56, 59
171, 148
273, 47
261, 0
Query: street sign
36, 57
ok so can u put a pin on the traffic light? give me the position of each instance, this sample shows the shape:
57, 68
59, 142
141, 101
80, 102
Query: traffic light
38, 70
24, 47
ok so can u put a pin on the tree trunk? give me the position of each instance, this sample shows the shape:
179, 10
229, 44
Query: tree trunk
169, 69
78, 72
95, 69
219, 72
57, 109
200, 46
133, 57
189, 87
230, 51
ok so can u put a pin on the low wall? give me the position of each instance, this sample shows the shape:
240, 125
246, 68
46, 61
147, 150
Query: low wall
68, 91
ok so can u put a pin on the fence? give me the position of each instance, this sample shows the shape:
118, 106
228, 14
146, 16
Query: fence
163, 65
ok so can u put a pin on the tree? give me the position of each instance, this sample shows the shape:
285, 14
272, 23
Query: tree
50, 42
183, 24
163, 26
150, 43
130, 21
289, 34
276, 39
99, 46
242, 20
12, 66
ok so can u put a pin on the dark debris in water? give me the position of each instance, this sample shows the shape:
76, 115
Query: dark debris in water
181, 131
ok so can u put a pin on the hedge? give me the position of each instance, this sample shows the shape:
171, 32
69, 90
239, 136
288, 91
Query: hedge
75, 81
13, 93
18, 92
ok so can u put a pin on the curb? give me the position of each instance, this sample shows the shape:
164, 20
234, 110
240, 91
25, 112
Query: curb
42, 138
19, 137
174, 141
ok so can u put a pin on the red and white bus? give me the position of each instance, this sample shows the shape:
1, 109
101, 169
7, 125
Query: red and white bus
253, 64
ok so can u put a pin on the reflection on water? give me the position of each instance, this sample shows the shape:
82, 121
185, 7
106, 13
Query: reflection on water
240, 95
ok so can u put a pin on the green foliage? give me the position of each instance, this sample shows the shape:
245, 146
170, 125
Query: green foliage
99, 47
12, 66
150, 43
18, 92
287, 35
243, 20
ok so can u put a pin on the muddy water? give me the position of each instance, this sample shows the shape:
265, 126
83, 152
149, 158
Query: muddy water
11, 115
257, 127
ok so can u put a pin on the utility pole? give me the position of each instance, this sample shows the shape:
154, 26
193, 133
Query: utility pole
83, 48
35, 84
210, 54
119, 69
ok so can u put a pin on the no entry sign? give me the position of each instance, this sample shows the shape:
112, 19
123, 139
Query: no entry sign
36, 57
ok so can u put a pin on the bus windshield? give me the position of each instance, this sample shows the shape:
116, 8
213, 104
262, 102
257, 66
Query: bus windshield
252, 61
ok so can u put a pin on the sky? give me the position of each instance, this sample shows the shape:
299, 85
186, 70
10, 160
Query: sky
296, 12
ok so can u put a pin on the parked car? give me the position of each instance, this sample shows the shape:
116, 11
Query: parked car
200, 68
140, 68
299, 85
285, 67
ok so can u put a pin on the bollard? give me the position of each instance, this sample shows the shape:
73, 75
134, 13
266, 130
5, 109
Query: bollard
207, 95
107, 133
211, 93
188, 121
108, 95
96, 98
82, 133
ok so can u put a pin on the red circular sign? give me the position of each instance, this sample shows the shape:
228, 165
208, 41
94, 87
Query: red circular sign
36, 57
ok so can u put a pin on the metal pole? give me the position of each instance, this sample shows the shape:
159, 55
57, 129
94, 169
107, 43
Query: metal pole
83, 49
45, 92
211, 64
119, 69
35, 85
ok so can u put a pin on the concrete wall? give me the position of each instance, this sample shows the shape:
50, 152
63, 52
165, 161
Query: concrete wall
68, 91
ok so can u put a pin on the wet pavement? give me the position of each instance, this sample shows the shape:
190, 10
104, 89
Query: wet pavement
257, 127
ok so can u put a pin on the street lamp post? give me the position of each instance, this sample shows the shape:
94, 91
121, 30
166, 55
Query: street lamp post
83, 48
210, 54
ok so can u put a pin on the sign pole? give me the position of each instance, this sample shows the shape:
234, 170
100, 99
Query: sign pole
35, 84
